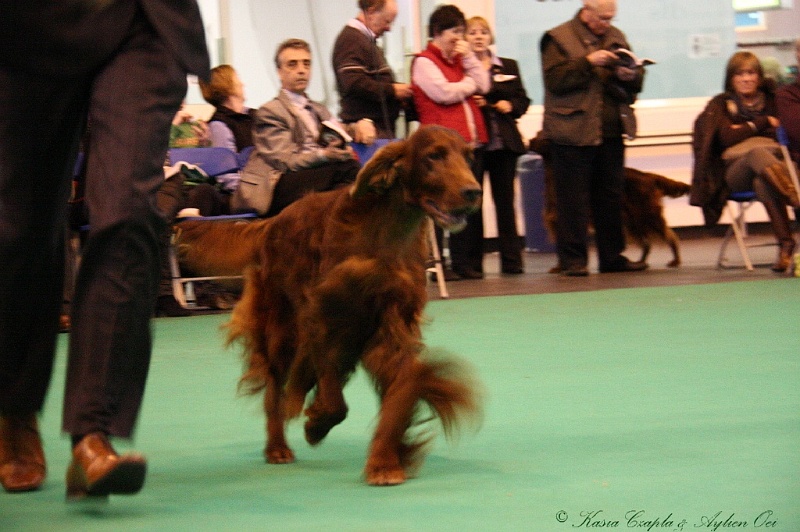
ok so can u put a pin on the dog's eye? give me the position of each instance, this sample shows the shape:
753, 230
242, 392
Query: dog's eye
437, 155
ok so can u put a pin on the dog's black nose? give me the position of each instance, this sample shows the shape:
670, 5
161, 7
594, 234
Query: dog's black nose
472, 194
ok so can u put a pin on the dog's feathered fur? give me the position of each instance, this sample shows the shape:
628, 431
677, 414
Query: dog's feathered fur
642, 207
338, 279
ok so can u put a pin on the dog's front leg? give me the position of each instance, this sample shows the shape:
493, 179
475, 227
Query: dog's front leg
328, 409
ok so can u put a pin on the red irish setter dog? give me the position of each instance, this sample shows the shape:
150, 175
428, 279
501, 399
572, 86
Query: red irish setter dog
337, 279
642, 205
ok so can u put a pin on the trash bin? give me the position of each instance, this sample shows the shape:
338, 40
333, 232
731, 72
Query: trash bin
530, 170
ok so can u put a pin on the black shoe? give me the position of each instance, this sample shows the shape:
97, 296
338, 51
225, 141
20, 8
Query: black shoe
625, 265
449, 275
512, 270
468, 273
575, 271
168, 307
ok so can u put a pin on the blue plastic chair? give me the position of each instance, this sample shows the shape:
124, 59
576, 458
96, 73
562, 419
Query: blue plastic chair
738, 227
365, 152
183, 287
244, 155
213, 161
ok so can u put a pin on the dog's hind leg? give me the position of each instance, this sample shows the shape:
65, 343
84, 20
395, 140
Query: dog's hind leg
644, 243
277, 450
674, 244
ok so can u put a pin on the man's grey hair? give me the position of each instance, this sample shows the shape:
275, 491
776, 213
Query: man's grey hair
298, 44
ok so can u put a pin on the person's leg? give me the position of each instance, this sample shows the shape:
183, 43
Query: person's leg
40, 122
502, 167
294, 185
133, 101
466, 247
572, 166
775, 205
606, 204
748, 173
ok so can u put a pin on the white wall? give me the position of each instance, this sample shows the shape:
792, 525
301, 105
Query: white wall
245, 33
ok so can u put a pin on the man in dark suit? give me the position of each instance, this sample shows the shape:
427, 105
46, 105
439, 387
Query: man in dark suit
122, 64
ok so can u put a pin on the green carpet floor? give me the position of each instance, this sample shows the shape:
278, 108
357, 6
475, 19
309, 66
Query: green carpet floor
653, 408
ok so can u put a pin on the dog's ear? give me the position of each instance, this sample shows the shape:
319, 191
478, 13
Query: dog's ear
379, 174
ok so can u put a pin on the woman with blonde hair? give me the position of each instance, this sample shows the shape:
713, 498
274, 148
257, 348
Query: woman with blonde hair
505, 102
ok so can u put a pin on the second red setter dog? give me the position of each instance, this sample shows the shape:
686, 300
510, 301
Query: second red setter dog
337, 279
642, 207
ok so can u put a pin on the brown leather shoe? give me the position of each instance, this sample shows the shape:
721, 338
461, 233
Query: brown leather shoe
98, 471
22, 465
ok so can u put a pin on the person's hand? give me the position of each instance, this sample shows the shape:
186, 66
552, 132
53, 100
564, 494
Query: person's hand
774, 122
479, 100
332, 153
503, 106
201, 131
364, 131
402, 91
602, 58
625, 73
181, 117
462, 48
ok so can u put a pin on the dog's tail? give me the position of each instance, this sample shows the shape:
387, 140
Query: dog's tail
453, 394
670, 187
219, 247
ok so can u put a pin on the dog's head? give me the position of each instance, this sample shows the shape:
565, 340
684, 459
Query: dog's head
433, 169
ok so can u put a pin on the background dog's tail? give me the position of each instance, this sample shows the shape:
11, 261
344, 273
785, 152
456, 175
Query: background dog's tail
670, 187
218, 247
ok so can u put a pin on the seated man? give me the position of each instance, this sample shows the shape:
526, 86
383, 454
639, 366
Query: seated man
289, 159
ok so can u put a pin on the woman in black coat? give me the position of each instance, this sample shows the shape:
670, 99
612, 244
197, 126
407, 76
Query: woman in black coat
501, 107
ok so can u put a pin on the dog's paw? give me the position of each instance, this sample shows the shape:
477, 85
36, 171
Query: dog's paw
278, 455
319, 426
384, 476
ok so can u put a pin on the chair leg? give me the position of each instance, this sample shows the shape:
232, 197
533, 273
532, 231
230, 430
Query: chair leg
739, 230
175, 271
437, 266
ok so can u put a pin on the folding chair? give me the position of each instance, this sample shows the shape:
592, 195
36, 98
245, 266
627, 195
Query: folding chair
737, 205
366, 151
214, 162
183, 287
244, 155
436, 264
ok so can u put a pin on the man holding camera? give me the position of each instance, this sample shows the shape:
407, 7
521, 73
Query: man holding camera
586, 115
